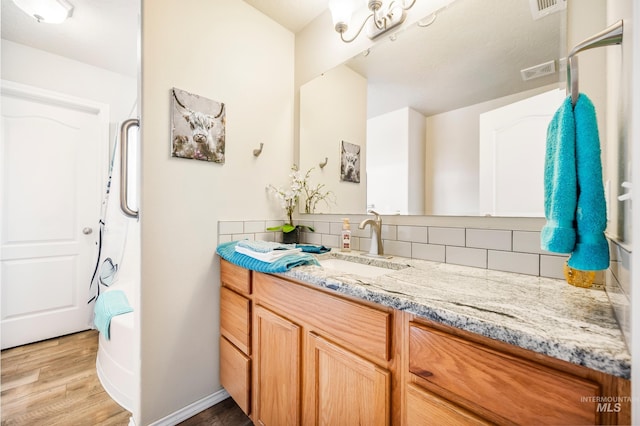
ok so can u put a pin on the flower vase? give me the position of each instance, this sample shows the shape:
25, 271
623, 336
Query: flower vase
292, 237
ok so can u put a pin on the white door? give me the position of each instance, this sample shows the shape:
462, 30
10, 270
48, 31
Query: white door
53, 161
512, 150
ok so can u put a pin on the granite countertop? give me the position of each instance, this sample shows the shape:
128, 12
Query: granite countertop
544, 315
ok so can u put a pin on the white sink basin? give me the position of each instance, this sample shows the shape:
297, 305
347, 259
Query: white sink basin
361, 269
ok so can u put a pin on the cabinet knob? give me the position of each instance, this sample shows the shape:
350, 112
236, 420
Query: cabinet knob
87, 230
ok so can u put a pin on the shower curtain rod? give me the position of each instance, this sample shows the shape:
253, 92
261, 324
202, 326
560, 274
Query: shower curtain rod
607, 37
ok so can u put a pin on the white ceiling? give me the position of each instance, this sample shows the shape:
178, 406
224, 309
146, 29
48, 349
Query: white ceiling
291, 14
103, 33
476, 41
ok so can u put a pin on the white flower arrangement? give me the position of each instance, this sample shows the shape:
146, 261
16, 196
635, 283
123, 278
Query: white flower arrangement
289, 197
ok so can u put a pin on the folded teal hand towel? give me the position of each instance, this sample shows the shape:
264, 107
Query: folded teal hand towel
591, 252
310, 248
560, 184
573, 192
228, 252
109, 304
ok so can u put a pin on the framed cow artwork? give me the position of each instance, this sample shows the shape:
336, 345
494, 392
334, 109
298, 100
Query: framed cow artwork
349, 162
197, 127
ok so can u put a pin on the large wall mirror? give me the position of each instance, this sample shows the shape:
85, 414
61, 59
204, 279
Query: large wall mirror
448, 115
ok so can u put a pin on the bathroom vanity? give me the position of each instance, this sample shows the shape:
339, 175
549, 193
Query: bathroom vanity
325, 346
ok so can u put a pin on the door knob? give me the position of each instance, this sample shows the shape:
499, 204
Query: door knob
87, 230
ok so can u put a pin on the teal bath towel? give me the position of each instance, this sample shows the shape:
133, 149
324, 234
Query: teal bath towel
591, 252
109, 304
574, 201
227, 252
560, 182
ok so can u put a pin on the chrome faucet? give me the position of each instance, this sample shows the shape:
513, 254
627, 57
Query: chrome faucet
376, 248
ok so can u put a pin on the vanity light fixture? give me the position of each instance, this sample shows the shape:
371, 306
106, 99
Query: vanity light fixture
384, 16
48, 11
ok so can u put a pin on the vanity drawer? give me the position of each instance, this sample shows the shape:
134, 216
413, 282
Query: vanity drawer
365, 329
235, 374
235, 319
515, 389
235, 277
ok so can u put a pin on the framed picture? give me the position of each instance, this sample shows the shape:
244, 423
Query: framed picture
197, 127
350, 162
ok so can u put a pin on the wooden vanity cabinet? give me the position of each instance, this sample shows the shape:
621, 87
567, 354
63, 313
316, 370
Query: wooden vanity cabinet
235, 333
294, 354
291, 354
462, 378
329, 356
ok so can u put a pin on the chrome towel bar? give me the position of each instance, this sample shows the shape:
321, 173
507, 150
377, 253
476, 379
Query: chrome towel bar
607, 37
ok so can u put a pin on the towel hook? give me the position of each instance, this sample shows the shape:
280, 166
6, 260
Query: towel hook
257, 152
607, 37
324, 163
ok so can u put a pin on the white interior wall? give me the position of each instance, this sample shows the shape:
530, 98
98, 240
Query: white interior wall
417, 142
226, 51
395, 169
333, 108
387, 155
452, 156
26, 65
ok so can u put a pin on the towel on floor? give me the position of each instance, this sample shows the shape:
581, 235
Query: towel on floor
591, 252
574, 195
269, 257
108, 305
227, 252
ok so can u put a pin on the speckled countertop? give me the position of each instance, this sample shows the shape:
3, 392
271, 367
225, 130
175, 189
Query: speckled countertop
544, 315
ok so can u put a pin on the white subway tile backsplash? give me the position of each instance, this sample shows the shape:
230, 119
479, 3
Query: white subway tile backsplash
330, 240
506, 250
365, 244
417, 234
312, 238
357, 232
236, 227
254, 226
527, 242
446, 236
552, 266
432, 252
489, 239
521, 263
268, 236
322, 227
466, 256
336, 228
389, 232
397, 248
224, 239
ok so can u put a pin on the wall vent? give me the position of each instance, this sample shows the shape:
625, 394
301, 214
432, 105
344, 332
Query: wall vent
542, 8
539, 70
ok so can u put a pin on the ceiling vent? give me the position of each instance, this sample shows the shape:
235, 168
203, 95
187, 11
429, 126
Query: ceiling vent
539, 70
542, 8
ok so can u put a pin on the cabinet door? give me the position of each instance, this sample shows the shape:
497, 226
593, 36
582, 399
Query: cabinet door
343, 388
276, 370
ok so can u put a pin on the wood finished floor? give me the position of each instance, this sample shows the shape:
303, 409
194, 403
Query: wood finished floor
54, 382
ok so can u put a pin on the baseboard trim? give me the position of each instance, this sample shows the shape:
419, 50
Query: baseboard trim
192, 409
